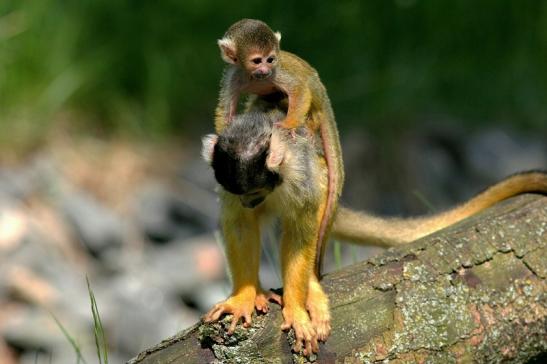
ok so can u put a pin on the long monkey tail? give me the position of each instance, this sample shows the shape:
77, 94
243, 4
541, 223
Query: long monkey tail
335, 177
372, 230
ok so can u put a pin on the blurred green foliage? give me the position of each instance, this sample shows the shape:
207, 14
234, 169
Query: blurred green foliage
153, 68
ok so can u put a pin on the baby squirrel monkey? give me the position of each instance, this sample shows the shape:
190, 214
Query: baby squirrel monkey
265, 172
257, 66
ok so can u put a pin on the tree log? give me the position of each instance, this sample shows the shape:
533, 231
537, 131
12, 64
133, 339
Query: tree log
474, 292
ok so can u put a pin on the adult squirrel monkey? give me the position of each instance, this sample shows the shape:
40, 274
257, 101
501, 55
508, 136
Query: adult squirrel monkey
257, 66
267, 172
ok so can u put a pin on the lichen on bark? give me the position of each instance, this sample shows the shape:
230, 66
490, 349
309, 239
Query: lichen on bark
475, 292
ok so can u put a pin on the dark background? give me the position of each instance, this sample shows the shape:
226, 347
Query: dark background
153, 67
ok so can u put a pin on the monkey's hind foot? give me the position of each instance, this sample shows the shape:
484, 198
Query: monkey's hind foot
320, 320
240, 306
317, 305
262, 299
305, 335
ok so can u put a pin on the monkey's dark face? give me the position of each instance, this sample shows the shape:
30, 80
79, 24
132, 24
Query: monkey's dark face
240, 167
260, 65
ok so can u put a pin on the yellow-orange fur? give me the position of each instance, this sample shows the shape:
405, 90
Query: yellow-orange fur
373, 230
299, 204
308, 103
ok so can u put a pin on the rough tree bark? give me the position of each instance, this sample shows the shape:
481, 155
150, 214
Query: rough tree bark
475, 292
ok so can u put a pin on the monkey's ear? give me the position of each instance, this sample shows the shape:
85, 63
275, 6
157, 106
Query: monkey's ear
208, 143
276, 153
227, 50
278, 36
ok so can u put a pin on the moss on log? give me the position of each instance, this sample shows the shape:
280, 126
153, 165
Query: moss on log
474, 292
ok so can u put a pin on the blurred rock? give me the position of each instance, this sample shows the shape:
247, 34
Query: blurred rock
29, 287
137, 314
205, 298
31, 329
38, 174
147, 291
183, 266
7, 355
191, 215
196, 186
97, 227
496, 153
163, 216
15, 183
65, 355
38, 255
195, 170
13, 227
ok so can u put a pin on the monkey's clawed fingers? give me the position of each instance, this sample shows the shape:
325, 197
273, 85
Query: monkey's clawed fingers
322, 327
320, 319
292, 133
305, 335
231, 306
262, 298
290, 129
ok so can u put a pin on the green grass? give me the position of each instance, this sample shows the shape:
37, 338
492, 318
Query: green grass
98, 330
100, 339
337, 248
420, 196
354, 256
70, 339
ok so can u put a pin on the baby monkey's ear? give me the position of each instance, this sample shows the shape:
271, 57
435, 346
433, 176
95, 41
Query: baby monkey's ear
278, 36
208, 143
276, 153
227, 50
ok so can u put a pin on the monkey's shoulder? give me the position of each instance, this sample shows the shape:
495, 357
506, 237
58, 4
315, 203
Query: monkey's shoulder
292, 63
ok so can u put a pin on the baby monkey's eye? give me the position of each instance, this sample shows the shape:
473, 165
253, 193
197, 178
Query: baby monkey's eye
256, 60
271, 59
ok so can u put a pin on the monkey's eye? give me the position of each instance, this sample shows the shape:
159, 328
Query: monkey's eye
270, 59
256, 60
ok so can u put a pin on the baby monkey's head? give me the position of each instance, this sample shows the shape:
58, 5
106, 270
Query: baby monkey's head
246, 156
253, 46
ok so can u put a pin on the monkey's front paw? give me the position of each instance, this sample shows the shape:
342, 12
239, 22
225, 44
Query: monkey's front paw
290, 131
287, 124
262, 299
240, 306
305, 335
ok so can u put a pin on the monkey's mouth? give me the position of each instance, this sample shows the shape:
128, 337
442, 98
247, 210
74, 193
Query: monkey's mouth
252, 203
262, 75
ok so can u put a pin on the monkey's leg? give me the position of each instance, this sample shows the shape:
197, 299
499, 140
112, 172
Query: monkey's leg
317, 304
298, 244
242, 238
299, 106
